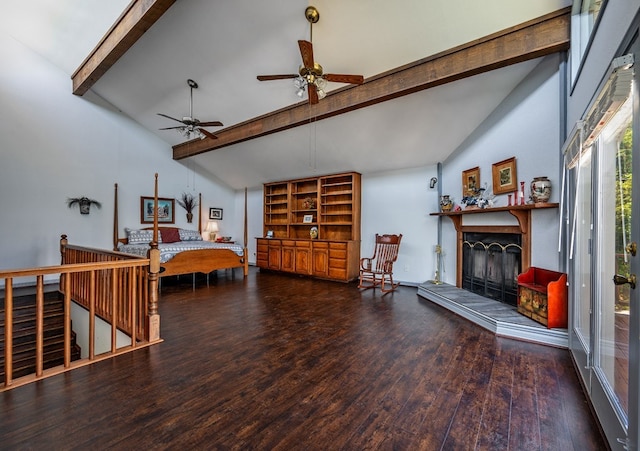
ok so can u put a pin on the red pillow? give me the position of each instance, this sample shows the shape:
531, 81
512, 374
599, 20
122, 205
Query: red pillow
169, 235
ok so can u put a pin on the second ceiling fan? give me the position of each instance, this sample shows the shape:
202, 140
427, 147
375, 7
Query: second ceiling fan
310, 74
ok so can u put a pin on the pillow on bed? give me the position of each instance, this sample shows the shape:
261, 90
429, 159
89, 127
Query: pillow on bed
189, 235
169, 235
135, 236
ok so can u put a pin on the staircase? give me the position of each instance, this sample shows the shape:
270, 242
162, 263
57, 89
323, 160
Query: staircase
24, 334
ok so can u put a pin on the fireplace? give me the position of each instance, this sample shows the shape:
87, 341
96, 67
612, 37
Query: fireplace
491, 263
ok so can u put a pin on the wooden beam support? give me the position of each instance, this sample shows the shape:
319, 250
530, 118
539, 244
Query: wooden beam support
539, 37
139, 16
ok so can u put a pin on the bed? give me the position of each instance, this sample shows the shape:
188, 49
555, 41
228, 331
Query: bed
182, 251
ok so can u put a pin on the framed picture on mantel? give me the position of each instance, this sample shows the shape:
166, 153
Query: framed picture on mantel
470, 181
505, 177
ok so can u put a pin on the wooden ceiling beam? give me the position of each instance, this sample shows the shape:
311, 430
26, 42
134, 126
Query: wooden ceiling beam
539, 37
139, 16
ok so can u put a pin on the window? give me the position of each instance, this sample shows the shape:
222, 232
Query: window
584, 19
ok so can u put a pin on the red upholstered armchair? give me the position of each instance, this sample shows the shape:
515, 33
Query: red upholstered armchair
378, 270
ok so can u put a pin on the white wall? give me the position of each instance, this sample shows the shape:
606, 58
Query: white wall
102, 336
400, 202
525, 125
56, 145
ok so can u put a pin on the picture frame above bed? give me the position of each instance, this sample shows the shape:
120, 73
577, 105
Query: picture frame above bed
166, 210
215, 214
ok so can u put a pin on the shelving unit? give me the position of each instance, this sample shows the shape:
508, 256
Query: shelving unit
331, 204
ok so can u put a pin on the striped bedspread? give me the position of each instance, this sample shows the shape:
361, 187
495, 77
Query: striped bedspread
169, 250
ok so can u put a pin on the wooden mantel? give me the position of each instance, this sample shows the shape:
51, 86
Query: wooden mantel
521, 212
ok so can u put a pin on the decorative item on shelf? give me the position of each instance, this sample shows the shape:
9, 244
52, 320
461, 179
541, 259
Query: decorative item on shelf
212, 228
540, 190
481, 198
188, 202
84, 203
446, 203
269, 234
308, 204
521, 194
509, 204
313, 233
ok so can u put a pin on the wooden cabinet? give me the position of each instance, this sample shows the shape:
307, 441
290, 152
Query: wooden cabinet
331, 205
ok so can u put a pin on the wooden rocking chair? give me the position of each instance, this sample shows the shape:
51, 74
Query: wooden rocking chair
379, 269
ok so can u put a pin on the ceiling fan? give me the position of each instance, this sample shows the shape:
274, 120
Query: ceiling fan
191, 125
310, 74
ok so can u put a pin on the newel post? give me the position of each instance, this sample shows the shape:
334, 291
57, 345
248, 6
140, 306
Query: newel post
154, 270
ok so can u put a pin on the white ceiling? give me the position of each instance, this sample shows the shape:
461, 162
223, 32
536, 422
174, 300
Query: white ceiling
223, 45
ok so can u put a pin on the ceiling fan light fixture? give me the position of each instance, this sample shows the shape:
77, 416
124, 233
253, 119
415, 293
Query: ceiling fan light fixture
321, 83
299, 82
321, 93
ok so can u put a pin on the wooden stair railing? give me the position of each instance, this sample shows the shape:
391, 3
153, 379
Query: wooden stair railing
119, 290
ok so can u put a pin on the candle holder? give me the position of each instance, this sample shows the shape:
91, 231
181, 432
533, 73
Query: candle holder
509, 200
521, 193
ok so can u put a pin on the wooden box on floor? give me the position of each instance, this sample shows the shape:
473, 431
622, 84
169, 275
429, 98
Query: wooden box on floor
542, 296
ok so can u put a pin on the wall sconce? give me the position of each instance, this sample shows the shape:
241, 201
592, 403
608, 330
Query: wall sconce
432, 182
212, 228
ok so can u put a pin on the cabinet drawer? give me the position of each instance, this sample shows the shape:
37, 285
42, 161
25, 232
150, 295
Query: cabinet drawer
289, 243
337, 253
337, 273
341, 246
320, 245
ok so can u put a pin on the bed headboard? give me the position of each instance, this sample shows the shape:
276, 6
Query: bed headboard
117, 239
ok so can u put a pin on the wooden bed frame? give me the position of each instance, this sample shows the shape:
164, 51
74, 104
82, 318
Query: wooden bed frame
201, 260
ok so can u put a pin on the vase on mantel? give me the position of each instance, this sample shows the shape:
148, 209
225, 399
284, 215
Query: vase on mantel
540, 190
446, 204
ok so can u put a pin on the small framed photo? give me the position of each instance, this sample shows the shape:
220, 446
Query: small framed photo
470, 181
215, 213
505, 177
166, 210
307, 219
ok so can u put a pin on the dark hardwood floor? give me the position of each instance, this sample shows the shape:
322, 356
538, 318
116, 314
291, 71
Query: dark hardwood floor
280, 362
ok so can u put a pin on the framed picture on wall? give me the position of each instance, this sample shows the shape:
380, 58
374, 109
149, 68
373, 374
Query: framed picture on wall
470, 181
215, 213
505, 177
166, 209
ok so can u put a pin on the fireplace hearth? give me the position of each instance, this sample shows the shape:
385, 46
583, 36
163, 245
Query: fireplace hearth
491, 263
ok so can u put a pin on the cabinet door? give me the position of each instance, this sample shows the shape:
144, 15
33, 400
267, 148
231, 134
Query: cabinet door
274, 255
303, 258
320, 259
288, 256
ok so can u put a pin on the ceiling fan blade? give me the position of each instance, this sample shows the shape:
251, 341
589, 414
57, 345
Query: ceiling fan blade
207, 133
306, 50
169, 117
313, 94
343, 78
171, 128
275, 77
210, 124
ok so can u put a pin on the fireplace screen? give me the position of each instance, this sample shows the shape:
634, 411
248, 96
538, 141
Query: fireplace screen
491, 263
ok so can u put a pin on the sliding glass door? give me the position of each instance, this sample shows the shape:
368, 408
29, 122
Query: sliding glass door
604, 334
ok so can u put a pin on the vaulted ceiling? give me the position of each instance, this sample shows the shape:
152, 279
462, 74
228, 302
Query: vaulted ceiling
468, 55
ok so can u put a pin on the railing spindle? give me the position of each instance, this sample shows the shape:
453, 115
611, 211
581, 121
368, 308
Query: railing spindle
39, 324
8, 331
